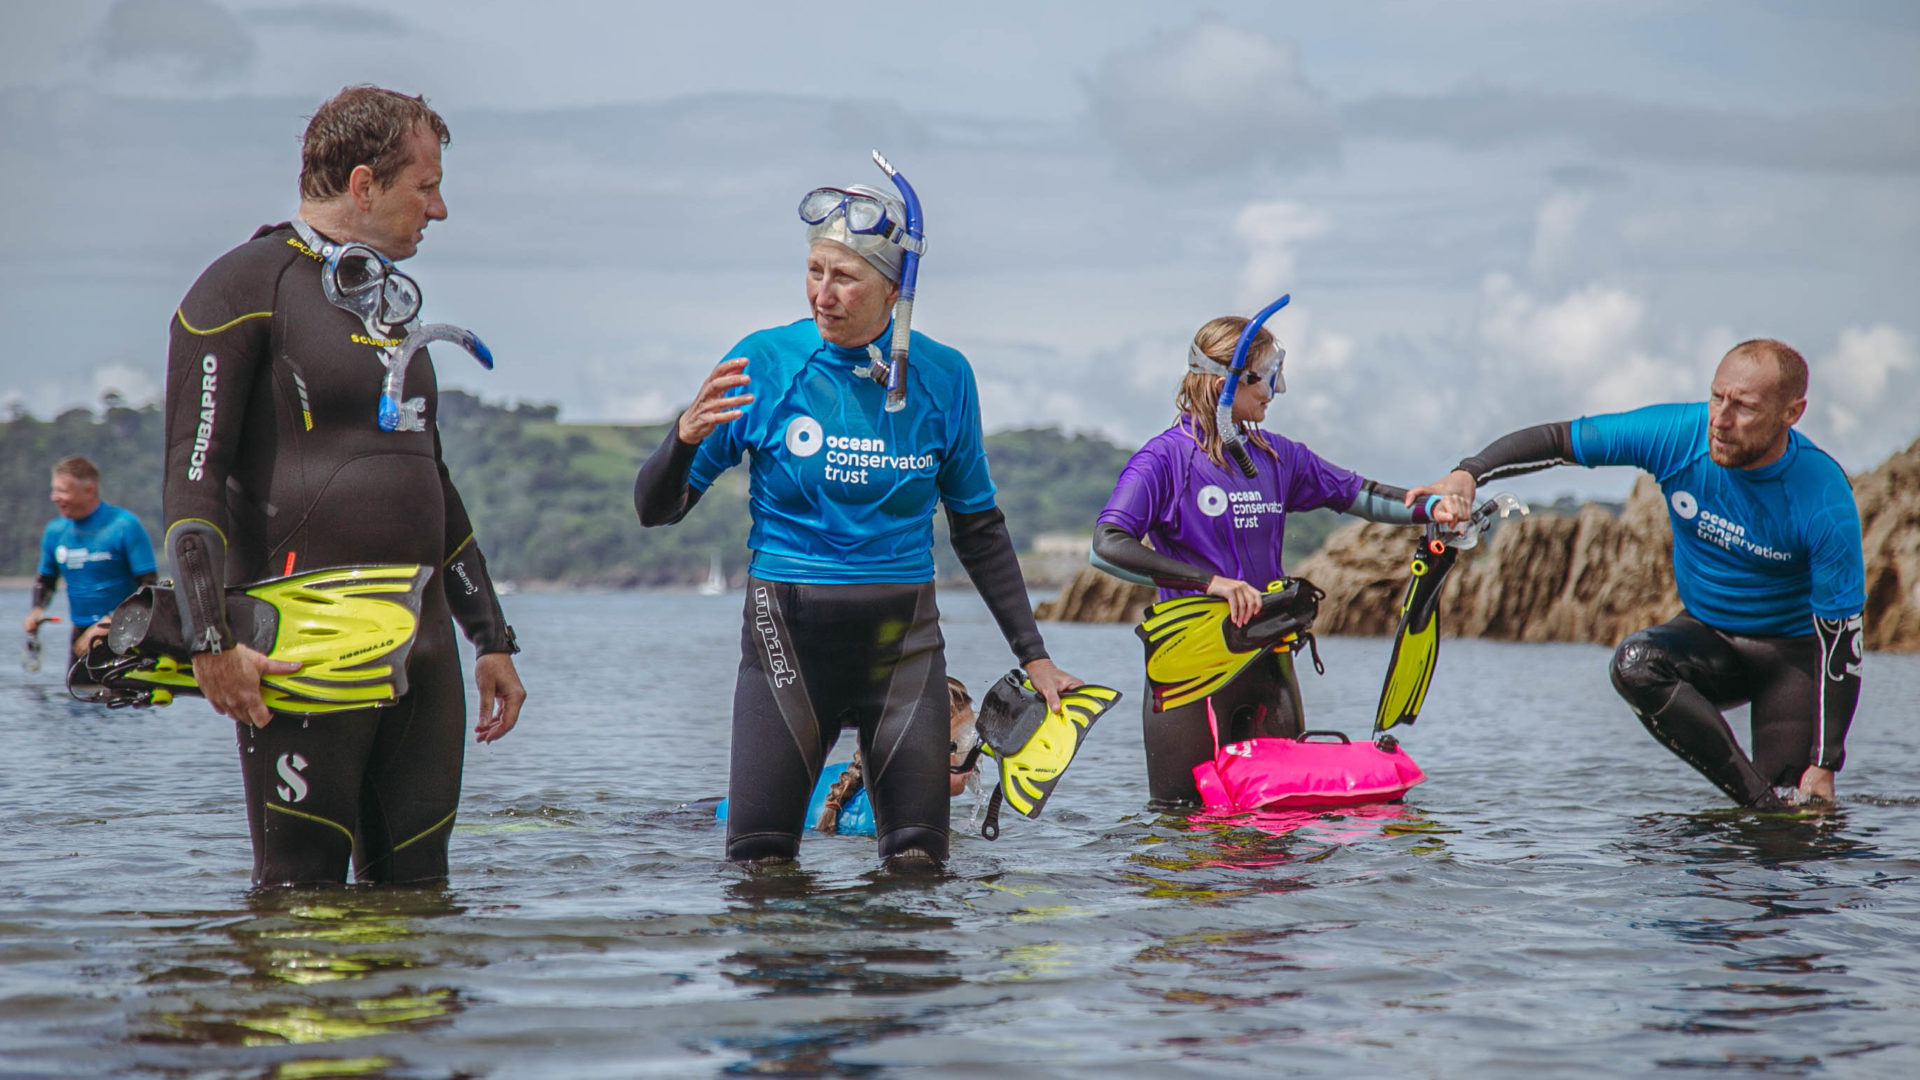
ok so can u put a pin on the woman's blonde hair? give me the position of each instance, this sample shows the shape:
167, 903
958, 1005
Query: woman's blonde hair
1200, 393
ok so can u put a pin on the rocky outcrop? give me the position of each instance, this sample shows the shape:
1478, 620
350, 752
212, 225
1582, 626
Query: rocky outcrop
1096, 597
1589, 577
1889, 499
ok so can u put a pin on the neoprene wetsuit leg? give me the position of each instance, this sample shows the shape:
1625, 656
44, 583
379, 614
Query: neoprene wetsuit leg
375, 788
1267, 694
815, 658
1679, 675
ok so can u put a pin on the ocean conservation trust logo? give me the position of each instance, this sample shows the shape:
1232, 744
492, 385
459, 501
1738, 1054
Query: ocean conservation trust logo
1247, 506
77, 558
849, 460
1721, 531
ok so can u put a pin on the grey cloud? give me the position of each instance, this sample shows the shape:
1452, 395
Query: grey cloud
1211, 98
1883, 140
200, 34
330, 19
1587, 176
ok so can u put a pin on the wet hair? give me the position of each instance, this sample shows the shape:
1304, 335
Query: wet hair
958, 701
78, 469
1793, 367
1200, 393
362, 125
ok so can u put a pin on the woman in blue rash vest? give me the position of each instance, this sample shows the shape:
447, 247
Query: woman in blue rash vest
841, 628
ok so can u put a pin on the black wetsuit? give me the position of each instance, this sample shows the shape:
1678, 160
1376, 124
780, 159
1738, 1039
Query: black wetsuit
1769, 556
276, 464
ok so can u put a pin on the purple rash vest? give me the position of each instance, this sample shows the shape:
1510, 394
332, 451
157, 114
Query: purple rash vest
1211, 516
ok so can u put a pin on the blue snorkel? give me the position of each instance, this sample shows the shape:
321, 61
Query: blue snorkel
1230, 436
398, 415
912, 245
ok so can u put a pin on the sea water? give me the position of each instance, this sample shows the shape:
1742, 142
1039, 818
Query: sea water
1561, 898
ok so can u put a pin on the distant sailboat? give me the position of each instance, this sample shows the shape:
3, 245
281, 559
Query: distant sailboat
716, 583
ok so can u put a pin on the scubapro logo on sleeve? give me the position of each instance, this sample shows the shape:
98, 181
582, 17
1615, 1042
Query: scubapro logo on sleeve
203, 435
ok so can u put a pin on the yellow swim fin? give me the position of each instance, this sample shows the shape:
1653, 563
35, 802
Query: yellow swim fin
1033, 746
351, 629
1193, 648
1416, 644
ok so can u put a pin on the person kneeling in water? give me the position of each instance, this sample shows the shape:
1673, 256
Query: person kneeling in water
840, 803
1218, 532
1767, 560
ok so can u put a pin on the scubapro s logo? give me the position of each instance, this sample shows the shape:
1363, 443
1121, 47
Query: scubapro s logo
289, 767
804, 437
1212, 500
1684, 505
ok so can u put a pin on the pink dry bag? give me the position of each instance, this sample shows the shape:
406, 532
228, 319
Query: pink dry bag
1298, 774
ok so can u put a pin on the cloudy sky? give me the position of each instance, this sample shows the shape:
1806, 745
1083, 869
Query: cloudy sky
1489, 214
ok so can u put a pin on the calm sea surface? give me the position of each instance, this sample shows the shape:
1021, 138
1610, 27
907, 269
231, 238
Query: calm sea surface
1562, 898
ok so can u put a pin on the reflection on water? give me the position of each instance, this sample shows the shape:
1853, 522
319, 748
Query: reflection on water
305, 968
1561, 898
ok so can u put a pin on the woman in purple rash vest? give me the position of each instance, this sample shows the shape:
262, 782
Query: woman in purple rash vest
1215, 531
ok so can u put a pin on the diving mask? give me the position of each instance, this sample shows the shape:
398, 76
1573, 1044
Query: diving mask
358, 279
1198, 361
866, 220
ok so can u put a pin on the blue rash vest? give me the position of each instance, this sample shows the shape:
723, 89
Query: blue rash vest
1755, 551
856, 814
841, 491
101, 555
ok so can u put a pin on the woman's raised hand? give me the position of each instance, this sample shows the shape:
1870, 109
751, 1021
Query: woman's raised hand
713, 406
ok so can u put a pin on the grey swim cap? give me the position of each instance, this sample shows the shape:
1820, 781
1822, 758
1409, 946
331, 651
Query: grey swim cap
883, 253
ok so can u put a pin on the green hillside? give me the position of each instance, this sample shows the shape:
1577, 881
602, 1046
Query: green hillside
554, 501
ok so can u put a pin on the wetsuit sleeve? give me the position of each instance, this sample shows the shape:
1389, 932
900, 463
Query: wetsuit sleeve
966, 484
218, 344
1836, 565
1386, 504
1840, 653
985, 549
48, 578
1657, 438
662, 493
470, 592
1120, 550
1527, 450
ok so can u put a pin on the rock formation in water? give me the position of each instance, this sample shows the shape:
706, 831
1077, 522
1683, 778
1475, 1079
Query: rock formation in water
1590, 577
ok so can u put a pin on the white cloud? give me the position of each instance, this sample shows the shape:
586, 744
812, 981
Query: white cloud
1863, 392
135, 386
1555, 227
1209, 98
1271, 231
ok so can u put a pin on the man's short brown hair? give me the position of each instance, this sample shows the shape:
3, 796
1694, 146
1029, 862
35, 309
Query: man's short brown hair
1793, 366
79, 469
362, 125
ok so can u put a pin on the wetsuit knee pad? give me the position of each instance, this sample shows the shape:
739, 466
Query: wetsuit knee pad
914, 837
1642, 674
763, 845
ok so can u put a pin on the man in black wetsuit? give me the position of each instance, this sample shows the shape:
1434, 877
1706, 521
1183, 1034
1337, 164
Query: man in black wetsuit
276, 464
1767, 559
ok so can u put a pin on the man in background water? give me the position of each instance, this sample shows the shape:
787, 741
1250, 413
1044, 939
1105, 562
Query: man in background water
102, 549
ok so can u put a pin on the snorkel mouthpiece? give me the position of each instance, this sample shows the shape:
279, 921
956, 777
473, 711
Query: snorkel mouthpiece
398, 415
1230, 436
909, 274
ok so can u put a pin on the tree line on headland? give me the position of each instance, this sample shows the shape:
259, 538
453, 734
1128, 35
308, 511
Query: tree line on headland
553, 501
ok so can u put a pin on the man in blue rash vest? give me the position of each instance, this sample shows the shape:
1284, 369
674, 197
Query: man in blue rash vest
276, 464
1767, 558
841, 628
101, 549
